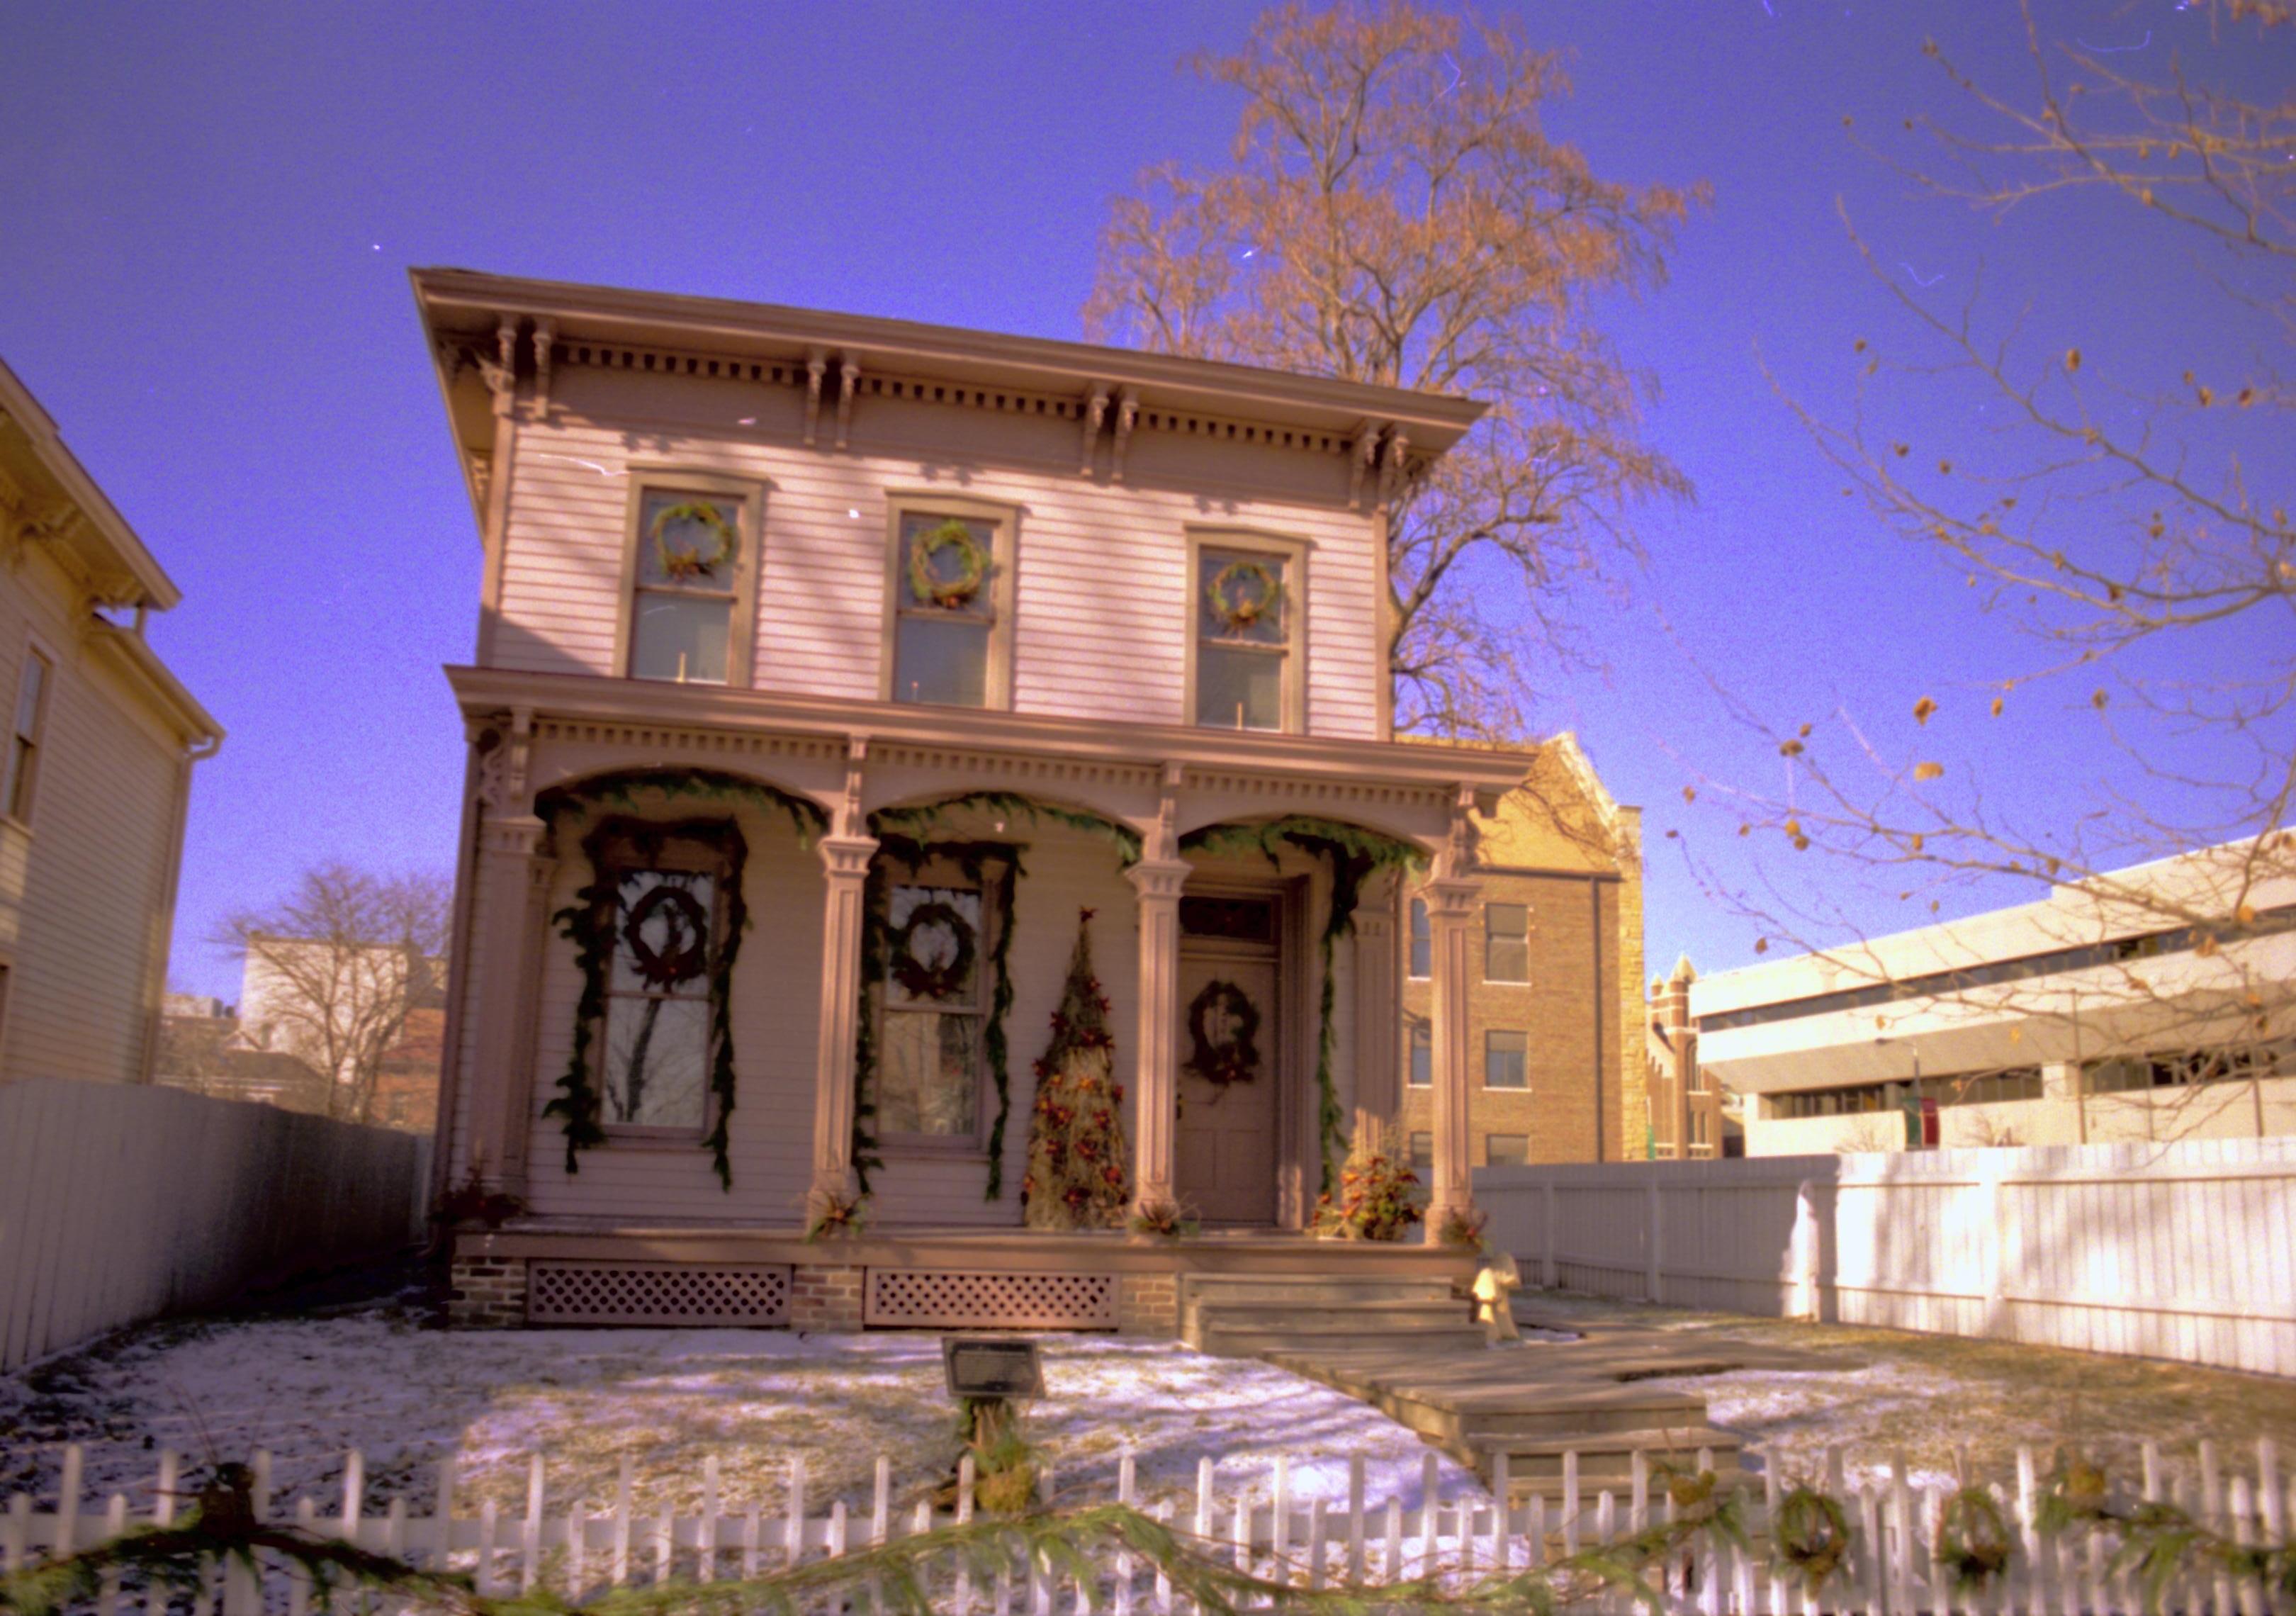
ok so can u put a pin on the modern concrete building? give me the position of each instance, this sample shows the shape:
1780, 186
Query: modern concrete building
2149, 1003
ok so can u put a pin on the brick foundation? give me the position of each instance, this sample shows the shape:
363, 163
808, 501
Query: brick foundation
487, 1293
825, 1299
1148, 1304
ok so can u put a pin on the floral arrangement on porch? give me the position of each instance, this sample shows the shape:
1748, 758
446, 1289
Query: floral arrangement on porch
1463, 1226
1076, 1177
1353, 856
1373, 1201
1163, 1220
926, 581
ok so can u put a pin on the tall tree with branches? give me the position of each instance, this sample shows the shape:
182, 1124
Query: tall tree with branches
335, 968
2134, 530
1395, 212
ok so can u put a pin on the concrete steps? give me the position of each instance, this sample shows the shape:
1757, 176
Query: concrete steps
1246, 1317
1605, 1458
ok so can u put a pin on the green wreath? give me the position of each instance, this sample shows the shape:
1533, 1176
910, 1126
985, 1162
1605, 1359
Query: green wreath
1238, 615
1236, 1060
1811, 1535
678, 565
928, 586
919, 980
1972, 1539
684, 952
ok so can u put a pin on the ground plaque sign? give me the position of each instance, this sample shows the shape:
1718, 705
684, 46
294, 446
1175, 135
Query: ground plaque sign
984, 1368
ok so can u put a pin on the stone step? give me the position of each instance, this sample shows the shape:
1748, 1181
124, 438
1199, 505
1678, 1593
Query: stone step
1247, 1288
1605, 1458
1531, 1421
1366, 1318
1258, 1341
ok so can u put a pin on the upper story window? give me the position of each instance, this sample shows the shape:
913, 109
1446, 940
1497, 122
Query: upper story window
691, 563
1245, 646
1423, 942
929, 1076
667, 899
1506, 943
1422, 1055
21, 771
1507, 1150
951, 633
1507, 1060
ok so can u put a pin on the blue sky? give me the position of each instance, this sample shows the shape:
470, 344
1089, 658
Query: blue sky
206, 214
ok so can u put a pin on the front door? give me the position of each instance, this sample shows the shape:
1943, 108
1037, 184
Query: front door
1231, 1020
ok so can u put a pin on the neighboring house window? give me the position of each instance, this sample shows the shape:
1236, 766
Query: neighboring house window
950, 604
685, 592
1247, 613
1506, 943
1507, 1150
1506, 1057
668, 901
1423, 1151
929, 1079
24, 740
1423, 942
1422, 1055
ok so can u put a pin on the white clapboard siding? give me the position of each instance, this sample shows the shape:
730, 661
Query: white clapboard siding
120, 1202
1104, 606
2182, 1251
1255, 1521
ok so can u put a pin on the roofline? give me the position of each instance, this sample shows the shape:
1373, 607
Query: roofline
1244, 388
198, 725
49, 447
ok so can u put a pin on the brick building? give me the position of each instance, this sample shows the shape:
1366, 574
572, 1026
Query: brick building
1556, 1019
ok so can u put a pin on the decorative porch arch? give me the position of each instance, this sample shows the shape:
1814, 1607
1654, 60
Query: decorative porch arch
1352, 855
919, 820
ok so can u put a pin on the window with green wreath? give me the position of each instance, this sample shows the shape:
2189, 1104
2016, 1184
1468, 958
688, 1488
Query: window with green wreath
935, 1014
1243, 618
682, 606
945, 610
667, 902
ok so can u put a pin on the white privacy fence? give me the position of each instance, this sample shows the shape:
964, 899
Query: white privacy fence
120, 1202
1251, 1522
2184, 1251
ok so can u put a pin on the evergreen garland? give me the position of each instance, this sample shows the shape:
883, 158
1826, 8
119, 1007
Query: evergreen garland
621, 788
1353, 856
589, 922
995, 867
923, 819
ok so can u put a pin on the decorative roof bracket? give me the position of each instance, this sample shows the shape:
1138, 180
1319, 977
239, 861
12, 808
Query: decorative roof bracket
1096, 410
817, 364
1128, 410
849, 378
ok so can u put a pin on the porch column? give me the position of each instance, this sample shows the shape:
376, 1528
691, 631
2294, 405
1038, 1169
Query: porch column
513, 878
1379, 1002
1450, 905
845, 865
1156, 1083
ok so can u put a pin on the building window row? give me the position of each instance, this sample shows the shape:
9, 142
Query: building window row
1955, 1088
2180, 1069
693, 570
1506, 943
1506, 1058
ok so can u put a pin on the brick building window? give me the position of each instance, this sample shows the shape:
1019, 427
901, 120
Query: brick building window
1507, 1060
1507, 1150
1506, 943
1423, 942
1422, 1055
1423, 1151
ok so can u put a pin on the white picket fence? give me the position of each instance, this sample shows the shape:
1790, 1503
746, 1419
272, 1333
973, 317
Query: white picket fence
120, 1202
581, 1551
2184, 1251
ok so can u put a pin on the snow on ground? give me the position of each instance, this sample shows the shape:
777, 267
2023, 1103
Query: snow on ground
408, 1396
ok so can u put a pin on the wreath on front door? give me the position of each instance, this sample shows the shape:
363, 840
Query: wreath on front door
941, 978
925, 581
678, 561
684, 948
1233, 1057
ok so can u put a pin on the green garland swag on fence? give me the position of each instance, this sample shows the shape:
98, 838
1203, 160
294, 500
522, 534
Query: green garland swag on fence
995, 867
1353, 856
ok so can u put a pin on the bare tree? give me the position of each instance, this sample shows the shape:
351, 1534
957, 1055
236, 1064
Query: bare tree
1395, 213
2133, 534
335, 968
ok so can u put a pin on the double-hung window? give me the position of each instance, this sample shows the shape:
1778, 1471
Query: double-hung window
928, 1078
1422, 1055
665, 905
1506, 943
1507, 1060
952, 605
1507, 1150
1423, 942
22, 770
692, 564
1248, 597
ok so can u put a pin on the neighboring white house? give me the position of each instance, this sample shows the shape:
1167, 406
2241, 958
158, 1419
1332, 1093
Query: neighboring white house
2150, 1003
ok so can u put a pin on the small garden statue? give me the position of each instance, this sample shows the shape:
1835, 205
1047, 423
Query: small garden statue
1495, 1287
1077, 1155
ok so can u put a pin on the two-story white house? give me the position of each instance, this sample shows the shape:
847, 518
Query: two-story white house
831, 672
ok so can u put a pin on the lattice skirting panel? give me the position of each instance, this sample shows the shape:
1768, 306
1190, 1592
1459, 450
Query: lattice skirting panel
656, 1294
930, 1299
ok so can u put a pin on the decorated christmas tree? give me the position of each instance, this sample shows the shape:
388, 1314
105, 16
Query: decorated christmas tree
1076, 1178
